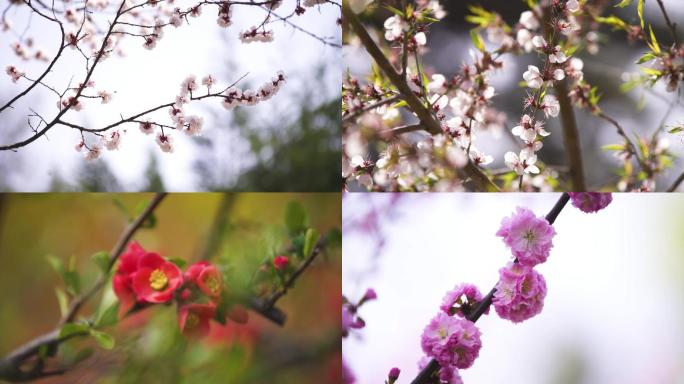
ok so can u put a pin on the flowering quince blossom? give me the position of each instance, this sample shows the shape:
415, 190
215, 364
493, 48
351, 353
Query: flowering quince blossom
156, 279
462, 297
122, 282
590, 202
519, 293
206, 277
193, 319
280, 262
452, 341
529, 237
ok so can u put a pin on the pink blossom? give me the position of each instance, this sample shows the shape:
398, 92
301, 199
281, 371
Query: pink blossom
194, 125
590, 202
533, 77
146, 127
519, 293
557, 56
14, 73
105, 96
112, 140
93, 152
529, 237
452, 341
165, 142
208, 80
189, 85
463, 297
550, 106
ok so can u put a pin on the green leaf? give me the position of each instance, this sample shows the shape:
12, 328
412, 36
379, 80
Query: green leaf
62, 300
180, 263
624, 3
613, 21
333, 238
613, 147
310, 241
104, 340
295, 218
107, 317
651, 71
676, 129
72, 282
394, 10
477, 40
102, 260
648, 56
654, 43
640, 11
73, 329
56, 263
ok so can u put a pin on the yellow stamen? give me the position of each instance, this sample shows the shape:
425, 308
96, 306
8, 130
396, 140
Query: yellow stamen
158, 280
191, 321
213, 284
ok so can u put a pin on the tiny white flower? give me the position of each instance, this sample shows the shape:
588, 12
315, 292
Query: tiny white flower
94, 152
165, 142
558, 74
550, 106
528, 20
420, 38
533, 77
112, 140
522, 164
437, 82
538, 42
105, 96
524, 38
557, 57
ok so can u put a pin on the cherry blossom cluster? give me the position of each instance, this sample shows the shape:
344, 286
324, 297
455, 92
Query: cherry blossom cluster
253, 34
145, 278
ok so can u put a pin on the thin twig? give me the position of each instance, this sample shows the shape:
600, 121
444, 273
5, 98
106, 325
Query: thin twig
670, 25
676, 183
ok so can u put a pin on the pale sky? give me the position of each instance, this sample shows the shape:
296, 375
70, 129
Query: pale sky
614, 278
144, 79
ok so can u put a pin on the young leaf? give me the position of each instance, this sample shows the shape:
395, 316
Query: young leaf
104, 340
56, 263
613, 147
73, 329
107, 317
102, 260
73, 282
310, 241
648, 56
180, 263
676, 129
654, 43
477, 40
640, 11
624, 3
295, 218
62, 300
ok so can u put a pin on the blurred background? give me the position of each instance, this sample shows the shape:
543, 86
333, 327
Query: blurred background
149, 347
639, 111
273, 146
615, 304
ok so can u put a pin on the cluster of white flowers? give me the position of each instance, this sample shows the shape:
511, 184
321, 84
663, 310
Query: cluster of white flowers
235, 97
252, 35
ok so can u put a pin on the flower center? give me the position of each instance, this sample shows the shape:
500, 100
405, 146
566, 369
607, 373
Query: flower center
158, 280
213, 284
191, 321
529, 236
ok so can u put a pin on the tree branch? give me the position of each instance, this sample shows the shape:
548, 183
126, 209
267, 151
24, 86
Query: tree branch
671, 26
430, 124
676, 183
426, 375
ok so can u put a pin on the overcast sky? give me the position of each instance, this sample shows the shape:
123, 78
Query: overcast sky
614, 305
144, 79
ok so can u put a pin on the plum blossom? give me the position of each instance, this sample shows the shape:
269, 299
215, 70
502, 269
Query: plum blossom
519, 293
590, 202
395, 27
165, 142
521, 164
574, 67
463, 297
452, 341
112, 140
557, 56
208, 80
194, 125
14, 73
188, 85
150, 42
529, 128
533, 77
524, 38
105, 96
550, 105
93, 152
224, 17
529, 20
146, 127
530, 238
479, 158
539, 42
252, 35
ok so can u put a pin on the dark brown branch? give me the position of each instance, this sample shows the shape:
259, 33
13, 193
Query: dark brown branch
676, 183
426, 375
430, 124
631, 147
351, 116
670, 25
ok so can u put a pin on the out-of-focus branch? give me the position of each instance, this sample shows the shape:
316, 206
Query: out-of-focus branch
11, 366
676, 183
571, 138
430, 124
632, 148
351, 116
670, 25
426, 375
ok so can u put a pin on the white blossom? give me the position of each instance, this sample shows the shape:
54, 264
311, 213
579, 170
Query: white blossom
533, 77
557, 57
529, 20
550, 106
521, 164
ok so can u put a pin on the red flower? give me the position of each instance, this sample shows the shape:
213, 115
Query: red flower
156, 279
193, 319
207, 278
123, 278
281, 262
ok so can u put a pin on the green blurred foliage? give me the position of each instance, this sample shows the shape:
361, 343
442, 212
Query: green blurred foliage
149, 347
